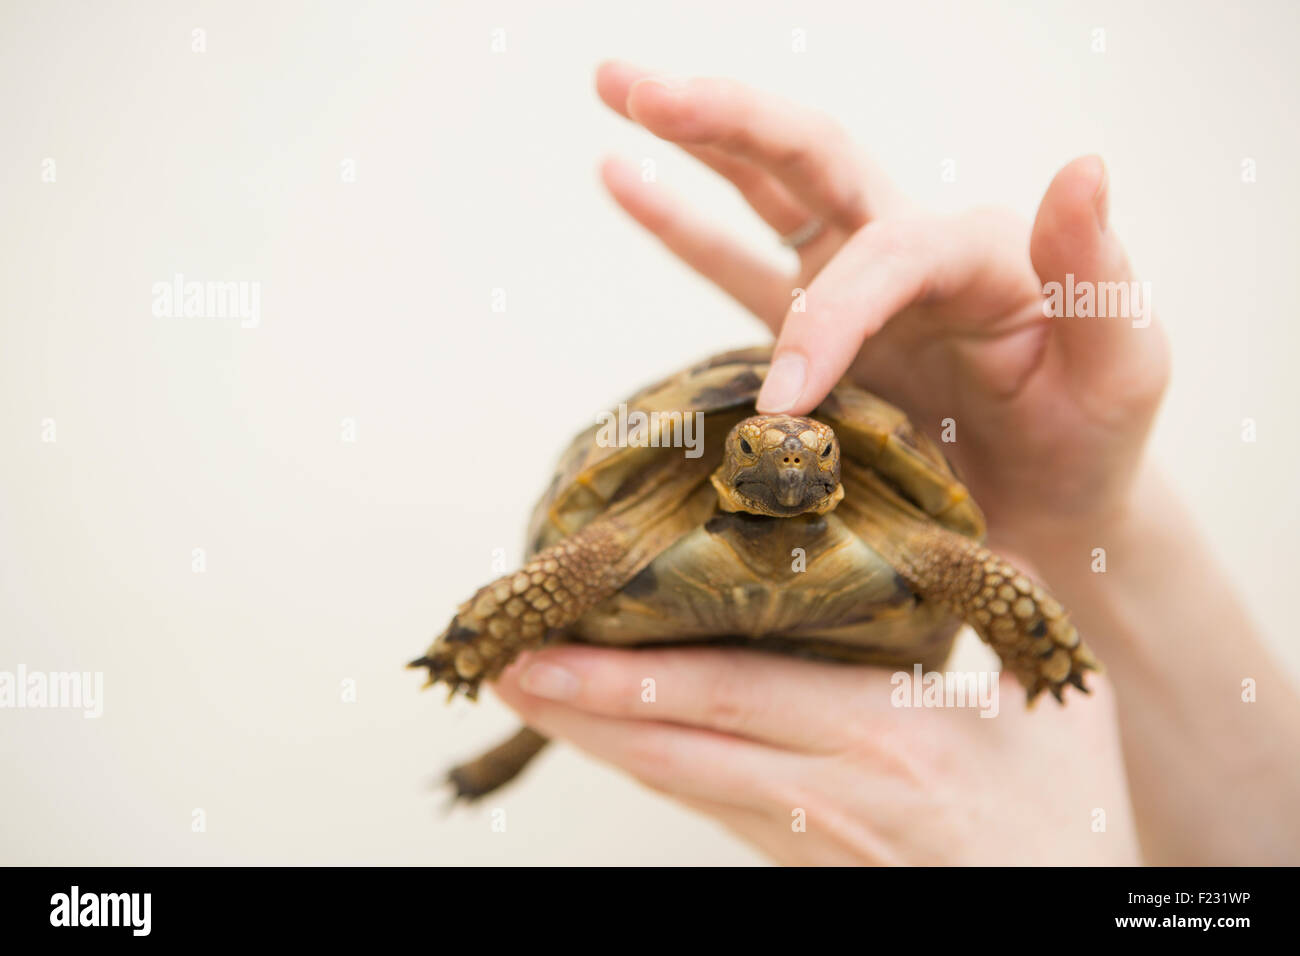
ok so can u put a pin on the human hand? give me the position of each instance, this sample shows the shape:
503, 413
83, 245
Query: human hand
1051, 415
751, 739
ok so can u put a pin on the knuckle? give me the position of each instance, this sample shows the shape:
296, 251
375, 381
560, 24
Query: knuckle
908, 762
891, 241
661, 219
798, 159
612, 688
727, 706
649, 758
749, 179
785, 796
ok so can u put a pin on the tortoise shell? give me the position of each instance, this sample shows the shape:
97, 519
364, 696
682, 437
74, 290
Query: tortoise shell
731, 578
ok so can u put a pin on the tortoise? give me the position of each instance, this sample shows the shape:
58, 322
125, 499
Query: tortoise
845, 535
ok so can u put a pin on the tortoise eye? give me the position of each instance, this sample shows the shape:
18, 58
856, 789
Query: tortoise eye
744, 446
826, 451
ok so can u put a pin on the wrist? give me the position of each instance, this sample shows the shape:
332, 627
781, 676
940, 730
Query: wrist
1118, 573
1080, 550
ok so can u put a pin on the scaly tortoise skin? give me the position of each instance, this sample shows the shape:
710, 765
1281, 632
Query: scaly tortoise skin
637, 546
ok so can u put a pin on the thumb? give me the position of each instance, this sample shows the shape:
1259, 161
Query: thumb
1090, 293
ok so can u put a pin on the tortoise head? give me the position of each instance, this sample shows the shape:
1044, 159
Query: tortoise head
780, 466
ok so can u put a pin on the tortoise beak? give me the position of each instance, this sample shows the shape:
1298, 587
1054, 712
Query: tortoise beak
791, 485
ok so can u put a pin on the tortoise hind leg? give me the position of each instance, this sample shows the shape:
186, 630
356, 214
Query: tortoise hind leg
497, 767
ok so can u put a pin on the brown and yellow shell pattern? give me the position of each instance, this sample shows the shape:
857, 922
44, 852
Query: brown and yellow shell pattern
734, 577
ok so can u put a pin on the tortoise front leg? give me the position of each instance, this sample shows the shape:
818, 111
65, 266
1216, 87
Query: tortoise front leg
560, 584
519, 611
1022, 622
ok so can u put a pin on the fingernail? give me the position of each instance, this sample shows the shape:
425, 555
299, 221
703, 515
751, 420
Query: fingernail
784, 384
518, 665
549, 681
1101, 198
670, 83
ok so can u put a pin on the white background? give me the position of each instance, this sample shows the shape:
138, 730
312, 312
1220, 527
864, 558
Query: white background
329, 561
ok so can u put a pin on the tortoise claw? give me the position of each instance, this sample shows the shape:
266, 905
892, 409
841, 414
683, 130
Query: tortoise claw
440, 661
1041, 682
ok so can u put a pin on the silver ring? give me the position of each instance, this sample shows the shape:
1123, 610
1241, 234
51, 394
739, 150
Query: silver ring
805, 234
